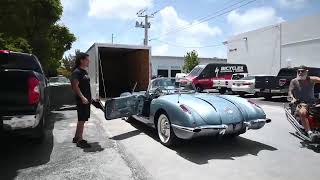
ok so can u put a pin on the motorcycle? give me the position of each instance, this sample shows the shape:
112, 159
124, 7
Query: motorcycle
313, 118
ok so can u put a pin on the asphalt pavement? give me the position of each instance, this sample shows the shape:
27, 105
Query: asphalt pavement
132, 151
58, 157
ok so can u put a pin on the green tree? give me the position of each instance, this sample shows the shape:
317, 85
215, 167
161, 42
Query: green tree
68, 62
191, 60
15, 44
35, 21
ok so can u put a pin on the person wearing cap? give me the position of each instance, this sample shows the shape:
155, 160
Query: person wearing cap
301, 90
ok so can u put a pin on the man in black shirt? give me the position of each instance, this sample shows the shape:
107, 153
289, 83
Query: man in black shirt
80, 82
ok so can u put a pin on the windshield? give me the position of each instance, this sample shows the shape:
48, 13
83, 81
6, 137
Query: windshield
288, 72
19, 61
167, 84
248, 78
196, 71
237, 76
59, 80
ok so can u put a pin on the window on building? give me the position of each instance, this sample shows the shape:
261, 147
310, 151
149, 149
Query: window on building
163, 72
174, 72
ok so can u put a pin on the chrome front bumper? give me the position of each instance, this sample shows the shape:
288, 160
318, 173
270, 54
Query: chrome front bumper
188, 132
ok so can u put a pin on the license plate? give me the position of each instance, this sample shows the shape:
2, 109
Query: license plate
238, 84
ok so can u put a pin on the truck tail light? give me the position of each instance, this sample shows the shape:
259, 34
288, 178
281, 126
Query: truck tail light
33, 90
282, 82
5, 51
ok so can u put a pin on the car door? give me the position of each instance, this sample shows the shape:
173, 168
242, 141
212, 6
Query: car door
204, 79
118, 107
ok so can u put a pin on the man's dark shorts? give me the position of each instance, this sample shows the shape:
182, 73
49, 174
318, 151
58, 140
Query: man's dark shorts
83, 111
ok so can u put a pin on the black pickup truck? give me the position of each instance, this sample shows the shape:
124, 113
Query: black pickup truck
269, 86
24, 100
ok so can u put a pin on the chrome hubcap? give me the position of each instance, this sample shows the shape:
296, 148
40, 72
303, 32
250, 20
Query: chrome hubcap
164, 128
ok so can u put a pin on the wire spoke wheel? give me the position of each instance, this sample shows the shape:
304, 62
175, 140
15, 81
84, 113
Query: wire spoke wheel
164, 130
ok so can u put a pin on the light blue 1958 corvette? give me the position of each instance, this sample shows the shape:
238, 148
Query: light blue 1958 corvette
182, 113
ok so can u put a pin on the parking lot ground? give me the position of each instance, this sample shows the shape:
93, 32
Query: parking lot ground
58, 157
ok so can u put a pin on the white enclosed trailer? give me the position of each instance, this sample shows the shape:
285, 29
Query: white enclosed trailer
116, 68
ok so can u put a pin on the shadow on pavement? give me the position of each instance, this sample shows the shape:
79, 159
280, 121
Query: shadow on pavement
276, 99
313, 147
305, 144
95, 147
201, 150
20, 152
140, 129
126, 135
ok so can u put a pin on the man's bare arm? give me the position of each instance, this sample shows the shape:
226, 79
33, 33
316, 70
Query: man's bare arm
290, 92
76, 89
315, 79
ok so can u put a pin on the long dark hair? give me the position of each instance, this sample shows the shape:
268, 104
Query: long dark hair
79, 57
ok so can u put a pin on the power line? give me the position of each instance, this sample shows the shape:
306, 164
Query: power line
202, 18
210, 17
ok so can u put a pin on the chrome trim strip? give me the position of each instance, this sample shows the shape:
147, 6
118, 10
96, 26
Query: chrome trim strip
256, 124
217, 127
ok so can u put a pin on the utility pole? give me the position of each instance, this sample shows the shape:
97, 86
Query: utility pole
146, 25
112, 36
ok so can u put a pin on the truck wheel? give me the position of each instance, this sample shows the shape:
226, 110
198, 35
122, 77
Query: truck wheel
267, 96
222, 91
199, 88
165, 131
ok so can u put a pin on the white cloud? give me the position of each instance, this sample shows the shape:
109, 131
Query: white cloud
123, 9
296, 4
253, 19
160, 50
69, 4
168, 28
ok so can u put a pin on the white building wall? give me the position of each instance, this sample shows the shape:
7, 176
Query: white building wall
301, 42
176, 63
260, 49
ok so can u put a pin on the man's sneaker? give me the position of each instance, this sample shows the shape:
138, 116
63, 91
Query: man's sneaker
83, 144
75, 140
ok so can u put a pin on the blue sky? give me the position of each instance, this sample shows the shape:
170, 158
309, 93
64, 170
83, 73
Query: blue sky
177, 27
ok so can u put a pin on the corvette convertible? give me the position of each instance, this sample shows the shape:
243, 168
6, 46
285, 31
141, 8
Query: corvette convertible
180, 112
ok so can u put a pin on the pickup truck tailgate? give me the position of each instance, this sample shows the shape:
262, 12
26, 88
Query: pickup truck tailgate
14, 91
265, 82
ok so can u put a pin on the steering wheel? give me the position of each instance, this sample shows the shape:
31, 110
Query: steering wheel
156, 93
